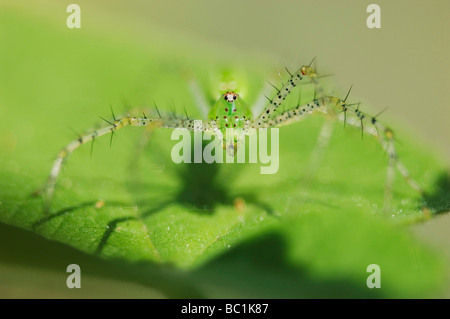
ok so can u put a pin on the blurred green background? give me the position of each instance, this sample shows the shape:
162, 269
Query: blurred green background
130, 53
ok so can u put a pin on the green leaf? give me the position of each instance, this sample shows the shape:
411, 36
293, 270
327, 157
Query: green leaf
231, 230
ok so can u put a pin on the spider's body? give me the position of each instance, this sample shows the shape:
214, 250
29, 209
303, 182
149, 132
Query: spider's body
229, 112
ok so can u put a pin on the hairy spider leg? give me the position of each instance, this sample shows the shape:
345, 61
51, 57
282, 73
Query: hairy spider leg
323, 140
331, 106
357, 118
200, 99
382, 133
282, 93
261, 100
172, 123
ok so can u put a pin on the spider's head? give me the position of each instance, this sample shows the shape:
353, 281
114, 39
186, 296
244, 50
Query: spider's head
230, 97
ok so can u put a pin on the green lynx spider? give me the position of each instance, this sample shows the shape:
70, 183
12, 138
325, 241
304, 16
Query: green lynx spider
229, 112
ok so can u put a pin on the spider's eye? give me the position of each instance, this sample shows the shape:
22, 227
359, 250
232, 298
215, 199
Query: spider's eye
225, 97
234, 97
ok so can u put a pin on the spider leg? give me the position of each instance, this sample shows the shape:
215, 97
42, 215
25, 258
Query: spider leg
260, 102
283, 92
292, 115
384, 135
298, 113
394, 161
390, 175
141, 145
200, 99
322, 143
335, 108
172, 123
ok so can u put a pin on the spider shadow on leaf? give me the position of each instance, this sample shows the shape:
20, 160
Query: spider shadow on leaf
439, 200
200, 190
201, 187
